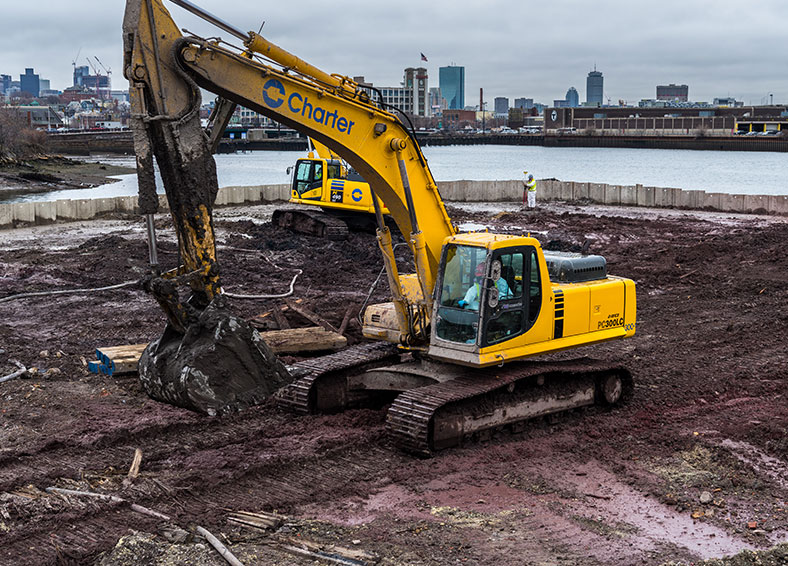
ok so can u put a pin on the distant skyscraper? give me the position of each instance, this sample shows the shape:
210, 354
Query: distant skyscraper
501, 106
595, 87
29, 82
673, 92
5, 83
452, 85
572, 98
80, 72
524, 103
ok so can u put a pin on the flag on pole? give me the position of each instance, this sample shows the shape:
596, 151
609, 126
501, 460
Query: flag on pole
423, 57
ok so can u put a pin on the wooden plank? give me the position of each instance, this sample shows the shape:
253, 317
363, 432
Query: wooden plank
297, 340
115, 360
330, 553
311, 316
120, 351
257, 520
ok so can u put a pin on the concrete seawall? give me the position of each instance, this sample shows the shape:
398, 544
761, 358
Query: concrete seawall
46, 212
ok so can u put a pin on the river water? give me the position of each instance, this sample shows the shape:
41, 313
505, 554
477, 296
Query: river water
736, 172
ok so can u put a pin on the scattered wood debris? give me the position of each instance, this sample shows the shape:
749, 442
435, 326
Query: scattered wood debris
214, 542
329, 553
309, 315
259, 520
134, 470
220, 548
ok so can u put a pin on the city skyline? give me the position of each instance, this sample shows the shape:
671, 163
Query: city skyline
721, 52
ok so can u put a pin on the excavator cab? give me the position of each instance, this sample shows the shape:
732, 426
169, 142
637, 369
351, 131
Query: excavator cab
486, 294
500, 298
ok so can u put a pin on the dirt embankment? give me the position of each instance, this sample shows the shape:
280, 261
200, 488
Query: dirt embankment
48, 173
693, 468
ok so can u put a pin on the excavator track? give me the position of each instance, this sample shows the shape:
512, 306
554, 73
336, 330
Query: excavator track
321, 384
311, 223
470, 403
427, 419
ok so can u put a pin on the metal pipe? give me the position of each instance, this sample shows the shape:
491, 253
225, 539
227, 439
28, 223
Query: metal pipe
208, 17
378, 211
152, 254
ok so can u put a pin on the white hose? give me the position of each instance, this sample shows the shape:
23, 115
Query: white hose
280, 296
68, 291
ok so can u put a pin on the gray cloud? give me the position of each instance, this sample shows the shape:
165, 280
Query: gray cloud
511, 49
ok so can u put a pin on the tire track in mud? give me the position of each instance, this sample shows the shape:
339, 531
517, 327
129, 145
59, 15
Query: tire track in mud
286, 477
204, 461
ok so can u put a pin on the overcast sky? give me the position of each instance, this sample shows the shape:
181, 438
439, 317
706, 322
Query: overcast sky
513, 49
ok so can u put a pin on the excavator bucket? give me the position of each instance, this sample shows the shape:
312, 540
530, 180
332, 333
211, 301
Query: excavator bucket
219, 365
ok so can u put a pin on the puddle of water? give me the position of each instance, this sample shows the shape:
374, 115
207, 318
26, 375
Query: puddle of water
655, 522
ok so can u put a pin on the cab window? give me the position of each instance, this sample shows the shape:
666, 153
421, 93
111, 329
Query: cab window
459, 273
334, 170
460, 294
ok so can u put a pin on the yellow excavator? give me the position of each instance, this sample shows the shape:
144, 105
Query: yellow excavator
324, 180
452, 347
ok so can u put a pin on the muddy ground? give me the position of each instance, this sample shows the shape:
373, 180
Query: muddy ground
693, 468
54, 172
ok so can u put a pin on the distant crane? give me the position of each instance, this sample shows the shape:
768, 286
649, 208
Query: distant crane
106, 70
74, 65
97, 74
109, 73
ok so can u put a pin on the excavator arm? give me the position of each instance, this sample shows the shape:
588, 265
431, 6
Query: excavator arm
165, 68
206, 359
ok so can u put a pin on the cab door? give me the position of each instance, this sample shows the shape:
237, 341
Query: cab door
513, 295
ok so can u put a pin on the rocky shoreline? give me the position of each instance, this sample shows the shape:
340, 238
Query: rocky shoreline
53, 172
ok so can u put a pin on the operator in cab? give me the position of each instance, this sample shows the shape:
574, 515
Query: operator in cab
473, 295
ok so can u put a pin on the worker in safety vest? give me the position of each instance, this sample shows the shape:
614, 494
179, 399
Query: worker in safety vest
529, 188
471, 299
